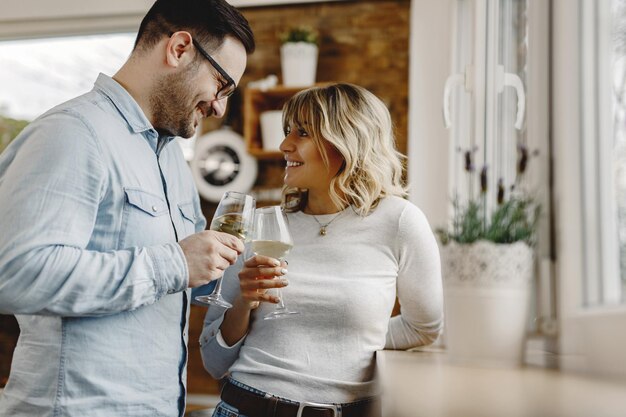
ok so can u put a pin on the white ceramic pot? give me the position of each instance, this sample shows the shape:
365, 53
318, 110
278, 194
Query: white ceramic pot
272, 133
487, 296
298, 63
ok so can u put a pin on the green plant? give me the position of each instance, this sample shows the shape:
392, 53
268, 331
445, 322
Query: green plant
299, 34
514, 217
9, 129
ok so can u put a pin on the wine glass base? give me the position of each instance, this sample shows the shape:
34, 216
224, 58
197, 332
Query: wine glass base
279, 314
213, 300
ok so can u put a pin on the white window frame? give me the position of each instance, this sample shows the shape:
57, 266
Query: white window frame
588, 336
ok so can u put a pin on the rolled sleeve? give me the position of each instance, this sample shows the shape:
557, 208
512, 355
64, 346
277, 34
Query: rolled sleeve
170, 267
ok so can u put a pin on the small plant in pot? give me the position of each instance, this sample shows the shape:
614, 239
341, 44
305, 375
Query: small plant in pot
299, 34
487, 257
298, 54
513, 219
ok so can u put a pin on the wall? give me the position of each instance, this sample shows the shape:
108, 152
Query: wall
428, 152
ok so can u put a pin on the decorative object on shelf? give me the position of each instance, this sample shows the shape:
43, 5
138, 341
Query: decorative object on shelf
221, 163
298, 56
272, 133
487, 266
263, 84
255, 103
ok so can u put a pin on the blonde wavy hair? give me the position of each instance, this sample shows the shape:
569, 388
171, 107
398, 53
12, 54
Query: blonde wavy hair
359, 126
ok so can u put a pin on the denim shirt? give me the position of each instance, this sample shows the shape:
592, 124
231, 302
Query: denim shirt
92, 203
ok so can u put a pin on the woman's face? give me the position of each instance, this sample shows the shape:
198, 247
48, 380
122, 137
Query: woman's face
305, 166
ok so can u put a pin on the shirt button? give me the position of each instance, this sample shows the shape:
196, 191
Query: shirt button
154, 208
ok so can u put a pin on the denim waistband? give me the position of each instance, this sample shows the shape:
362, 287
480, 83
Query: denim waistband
266, 394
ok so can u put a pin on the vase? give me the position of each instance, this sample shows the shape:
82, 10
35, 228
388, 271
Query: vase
298, 63
272, 134
487, 296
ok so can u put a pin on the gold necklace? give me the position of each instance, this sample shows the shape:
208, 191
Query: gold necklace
323, 226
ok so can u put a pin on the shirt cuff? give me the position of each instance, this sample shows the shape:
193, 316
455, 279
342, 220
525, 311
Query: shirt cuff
170, 268
222, 342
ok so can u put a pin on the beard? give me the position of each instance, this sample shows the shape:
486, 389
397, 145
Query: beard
173, 105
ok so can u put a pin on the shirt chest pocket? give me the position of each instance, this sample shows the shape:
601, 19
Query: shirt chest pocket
188, 219
145, 219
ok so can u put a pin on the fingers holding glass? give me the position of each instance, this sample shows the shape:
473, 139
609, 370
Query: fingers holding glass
271, 238
258, 277
234, 215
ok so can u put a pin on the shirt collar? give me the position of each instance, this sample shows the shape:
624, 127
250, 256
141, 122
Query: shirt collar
129, 109
125, 103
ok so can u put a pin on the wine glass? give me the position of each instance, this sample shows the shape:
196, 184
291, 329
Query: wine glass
271, 237
234, 215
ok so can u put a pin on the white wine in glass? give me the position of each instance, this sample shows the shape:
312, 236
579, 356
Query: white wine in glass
271, 238
234, 216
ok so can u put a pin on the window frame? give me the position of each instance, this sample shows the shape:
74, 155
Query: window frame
578, 223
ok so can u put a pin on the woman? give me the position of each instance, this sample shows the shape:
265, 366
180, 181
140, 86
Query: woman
357, 243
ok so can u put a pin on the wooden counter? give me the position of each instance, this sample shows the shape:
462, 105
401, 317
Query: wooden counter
426, 384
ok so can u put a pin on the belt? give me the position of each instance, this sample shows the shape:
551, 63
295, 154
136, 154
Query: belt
256, 405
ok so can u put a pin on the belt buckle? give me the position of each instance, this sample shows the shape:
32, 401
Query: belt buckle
305, 404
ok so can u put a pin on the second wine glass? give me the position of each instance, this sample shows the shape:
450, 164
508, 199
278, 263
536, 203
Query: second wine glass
234, 216
271, 237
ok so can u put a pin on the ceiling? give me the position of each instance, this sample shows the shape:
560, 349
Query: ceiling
43, 18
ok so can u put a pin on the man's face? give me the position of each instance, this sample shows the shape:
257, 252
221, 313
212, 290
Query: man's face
186, 96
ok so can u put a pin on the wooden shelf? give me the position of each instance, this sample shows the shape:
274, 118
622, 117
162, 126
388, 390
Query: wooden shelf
255, 102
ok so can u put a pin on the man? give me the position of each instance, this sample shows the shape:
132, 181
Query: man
101, 228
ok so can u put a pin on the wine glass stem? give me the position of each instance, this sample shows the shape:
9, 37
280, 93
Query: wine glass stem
218, 287
281, 303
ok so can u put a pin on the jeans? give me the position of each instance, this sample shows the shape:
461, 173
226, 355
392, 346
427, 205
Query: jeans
226, 410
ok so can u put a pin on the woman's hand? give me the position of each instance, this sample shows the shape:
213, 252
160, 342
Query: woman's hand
260, 273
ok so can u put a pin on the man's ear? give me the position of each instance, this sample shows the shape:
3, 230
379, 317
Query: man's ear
178, 49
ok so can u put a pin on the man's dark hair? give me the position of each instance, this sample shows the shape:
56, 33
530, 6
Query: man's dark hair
208, 21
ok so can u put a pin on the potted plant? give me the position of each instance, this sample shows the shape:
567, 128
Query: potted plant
298, 56
487, 265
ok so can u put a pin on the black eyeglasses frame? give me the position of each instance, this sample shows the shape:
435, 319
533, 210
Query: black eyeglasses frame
229, 88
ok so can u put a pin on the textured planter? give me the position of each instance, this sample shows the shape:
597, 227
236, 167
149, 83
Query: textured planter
298, 63
486, 293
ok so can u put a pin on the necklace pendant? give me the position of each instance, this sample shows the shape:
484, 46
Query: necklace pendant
323, 231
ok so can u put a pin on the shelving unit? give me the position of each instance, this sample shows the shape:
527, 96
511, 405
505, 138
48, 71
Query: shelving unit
255, 102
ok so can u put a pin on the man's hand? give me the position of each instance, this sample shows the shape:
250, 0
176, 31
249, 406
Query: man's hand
208, 254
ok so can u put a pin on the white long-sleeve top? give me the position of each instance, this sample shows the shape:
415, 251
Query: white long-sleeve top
344, 286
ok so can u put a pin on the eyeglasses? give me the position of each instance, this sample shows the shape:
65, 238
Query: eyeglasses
227, 89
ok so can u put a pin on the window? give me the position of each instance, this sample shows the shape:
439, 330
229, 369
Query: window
603, 142
38, 74
499, 70
587, 116
619, 122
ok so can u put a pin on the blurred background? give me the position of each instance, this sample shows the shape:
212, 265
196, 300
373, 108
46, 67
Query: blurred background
530, 90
